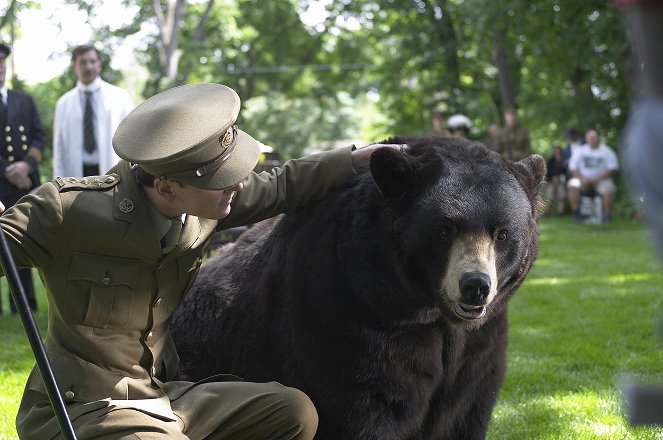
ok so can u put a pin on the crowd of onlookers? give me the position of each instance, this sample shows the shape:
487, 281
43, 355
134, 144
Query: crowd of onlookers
579, 175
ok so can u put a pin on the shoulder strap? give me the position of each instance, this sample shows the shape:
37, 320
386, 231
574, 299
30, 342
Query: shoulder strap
86, 183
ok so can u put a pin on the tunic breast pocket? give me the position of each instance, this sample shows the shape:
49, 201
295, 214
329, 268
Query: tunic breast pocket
100, 291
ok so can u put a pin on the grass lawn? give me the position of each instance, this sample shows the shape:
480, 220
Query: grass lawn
587, 316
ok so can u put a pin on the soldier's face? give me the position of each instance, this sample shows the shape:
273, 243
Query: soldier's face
205, 203
87, 66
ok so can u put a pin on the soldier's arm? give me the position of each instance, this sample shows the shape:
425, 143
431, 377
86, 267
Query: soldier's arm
30, 227
296, 183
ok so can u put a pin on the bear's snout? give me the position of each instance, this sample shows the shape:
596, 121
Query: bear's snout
474, 287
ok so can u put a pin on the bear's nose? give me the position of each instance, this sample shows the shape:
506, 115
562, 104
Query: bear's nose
474, 287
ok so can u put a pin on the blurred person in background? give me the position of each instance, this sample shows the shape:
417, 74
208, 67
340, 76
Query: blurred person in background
493, 140
643, 152
86, 118
459, 125
555, 189
20, 153
592, 167
438, 128
514, 141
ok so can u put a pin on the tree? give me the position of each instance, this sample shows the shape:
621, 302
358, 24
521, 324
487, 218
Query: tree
563, 63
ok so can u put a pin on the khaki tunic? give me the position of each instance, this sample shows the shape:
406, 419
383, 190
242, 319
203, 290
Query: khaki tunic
514, 142
112, 293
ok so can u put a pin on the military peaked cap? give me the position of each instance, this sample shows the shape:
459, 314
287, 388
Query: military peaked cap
188, 134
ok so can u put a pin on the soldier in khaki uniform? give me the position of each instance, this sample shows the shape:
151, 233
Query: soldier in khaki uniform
113, 283
514, 142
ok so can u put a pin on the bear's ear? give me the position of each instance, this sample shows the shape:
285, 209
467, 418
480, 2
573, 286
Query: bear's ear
393, 170
531, 173
536, 169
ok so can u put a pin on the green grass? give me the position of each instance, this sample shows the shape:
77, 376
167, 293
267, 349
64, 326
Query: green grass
587, 315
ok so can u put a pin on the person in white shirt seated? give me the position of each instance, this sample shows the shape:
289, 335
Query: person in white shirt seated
592, 167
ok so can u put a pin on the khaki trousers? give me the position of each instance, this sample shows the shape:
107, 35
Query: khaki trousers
212, 410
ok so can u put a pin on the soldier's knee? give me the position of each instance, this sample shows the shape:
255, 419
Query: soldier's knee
300, 413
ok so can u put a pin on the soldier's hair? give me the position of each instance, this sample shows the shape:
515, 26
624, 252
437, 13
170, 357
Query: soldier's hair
80, 50
141, 176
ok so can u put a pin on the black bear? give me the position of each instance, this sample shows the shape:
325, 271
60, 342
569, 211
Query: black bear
386, 302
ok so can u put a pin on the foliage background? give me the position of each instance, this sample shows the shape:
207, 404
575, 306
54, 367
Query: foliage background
370, 69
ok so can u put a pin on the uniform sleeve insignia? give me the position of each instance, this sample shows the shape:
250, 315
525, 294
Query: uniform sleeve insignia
86, 183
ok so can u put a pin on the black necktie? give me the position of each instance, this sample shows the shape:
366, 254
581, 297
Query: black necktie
89, 142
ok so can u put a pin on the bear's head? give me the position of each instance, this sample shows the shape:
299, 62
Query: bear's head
463, 221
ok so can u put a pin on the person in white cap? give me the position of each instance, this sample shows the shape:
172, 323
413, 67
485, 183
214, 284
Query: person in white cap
459, 125
118, 252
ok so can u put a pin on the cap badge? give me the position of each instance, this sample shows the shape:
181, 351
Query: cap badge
227, 143
229, 137
126, 205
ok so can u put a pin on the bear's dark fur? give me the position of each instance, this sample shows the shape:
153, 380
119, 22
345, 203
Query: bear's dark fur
386, 302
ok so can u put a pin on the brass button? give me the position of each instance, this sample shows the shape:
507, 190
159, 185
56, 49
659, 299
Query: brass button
69, 395
10, 148
200, 260
8, 128
10, 158
8, 138
110, 179
24, 138
106, 281
25, 147
157, 302
21, 128
149, 336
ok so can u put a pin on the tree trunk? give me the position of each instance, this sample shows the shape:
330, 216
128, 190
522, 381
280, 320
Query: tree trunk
169, 24
503, 73
446, 35
198, 37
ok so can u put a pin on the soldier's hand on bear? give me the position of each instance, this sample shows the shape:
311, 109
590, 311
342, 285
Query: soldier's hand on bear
361, 156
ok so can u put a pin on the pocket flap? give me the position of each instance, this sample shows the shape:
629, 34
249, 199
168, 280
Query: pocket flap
103, 270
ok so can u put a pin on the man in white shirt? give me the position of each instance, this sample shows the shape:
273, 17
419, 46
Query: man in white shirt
592, 167
86, 118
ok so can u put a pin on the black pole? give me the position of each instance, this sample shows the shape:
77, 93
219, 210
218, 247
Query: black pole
21, 301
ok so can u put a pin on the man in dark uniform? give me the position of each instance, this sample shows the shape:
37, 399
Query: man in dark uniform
21, 148
118, 252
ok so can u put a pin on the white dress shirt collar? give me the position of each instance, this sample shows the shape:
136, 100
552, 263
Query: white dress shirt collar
92, 87
3, 94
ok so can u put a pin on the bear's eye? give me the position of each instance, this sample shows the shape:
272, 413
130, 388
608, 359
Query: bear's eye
445, 232
502, 235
